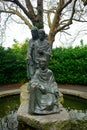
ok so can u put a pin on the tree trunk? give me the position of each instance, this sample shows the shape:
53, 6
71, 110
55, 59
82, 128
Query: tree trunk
51, 38
39, 24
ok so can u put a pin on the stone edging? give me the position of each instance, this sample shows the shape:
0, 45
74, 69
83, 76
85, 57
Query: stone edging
74, 93
64, 91
9, 92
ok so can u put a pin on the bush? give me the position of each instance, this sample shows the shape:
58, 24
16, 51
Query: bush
69, 65
13, 65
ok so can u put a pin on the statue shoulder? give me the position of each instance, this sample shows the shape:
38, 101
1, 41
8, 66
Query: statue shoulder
36, 74
47, 42
30, 40
50, 72
51, 76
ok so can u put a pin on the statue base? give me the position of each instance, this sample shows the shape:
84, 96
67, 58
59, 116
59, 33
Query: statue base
57, 121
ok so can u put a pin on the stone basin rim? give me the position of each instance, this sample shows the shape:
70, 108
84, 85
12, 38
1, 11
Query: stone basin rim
63, 91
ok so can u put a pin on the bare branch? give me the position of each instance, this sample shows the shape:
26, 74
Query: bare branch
60, 15
18, 14
7, 11
55, 24
70, 20
28, 14
49, 20
66, 4
3, 26
84, 2
29, 6
23, 18
79, 20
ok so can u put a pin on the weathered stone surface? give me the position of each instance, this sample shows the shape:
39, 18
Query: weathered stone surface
24, 95
74, 92
78, 120
9, 92
58, 121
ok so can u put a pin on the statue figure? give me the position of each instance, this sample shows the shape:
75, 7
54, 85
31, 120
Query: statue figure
38, 46
43, 90
42, 86
31, 53
42, 47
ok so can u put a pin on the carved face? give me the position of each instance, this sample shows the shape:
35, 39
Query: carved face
34, 34
41, 34
43, 64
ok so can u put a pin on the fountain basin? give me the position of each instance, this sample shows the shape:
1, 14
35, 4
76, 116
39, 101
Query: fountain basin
9, 106
56, 121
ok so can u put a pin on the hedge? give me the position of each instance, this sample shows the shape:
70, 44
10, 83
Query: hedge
69, 65
12, 67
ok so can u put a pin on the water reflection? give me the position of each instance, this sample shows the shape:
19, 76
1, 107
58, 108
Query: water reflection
76, 107
8, 111
9, 122
78, 114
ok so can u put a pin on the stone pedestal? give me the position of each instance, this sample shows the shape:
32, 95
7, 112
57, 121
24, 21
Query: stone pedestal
58, 121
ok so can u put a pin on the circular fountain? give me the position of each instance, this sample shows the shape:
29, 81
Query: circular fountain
77, 108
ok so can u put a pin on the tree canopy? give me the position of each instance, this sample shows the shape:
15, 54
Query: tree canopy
57, 14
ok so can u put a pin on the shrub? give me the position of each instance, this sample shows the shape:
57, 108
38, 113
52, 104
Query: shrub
69, 65
12, 65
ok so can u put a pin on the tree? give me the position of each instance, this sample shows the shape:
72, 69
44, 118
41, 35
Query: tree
60, 14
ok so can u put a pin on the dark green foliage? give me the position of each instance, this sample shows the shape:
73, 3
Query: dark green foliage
13, 64
69, 65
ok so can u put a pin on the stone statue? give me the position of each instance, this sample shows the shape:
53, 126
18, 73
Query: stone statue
42, 94
43, 48
31, 53
43, 90
42, 86
38, 46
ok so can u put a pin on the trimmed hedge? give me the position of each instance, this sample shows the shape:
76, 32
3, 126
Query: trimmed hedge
12, 67
69, 65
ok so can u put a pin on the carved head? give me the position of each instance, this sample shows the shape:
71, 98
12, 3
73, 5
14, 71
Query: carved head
43, 63
34, 32
41, 34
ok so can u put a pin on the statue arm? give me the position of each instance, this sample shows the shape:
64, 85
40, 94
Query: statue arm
53, 88
35, 83
48, 50
28, 59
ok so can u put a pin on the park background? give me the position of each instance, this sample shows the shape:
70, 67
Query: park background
69, 65
69, 56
